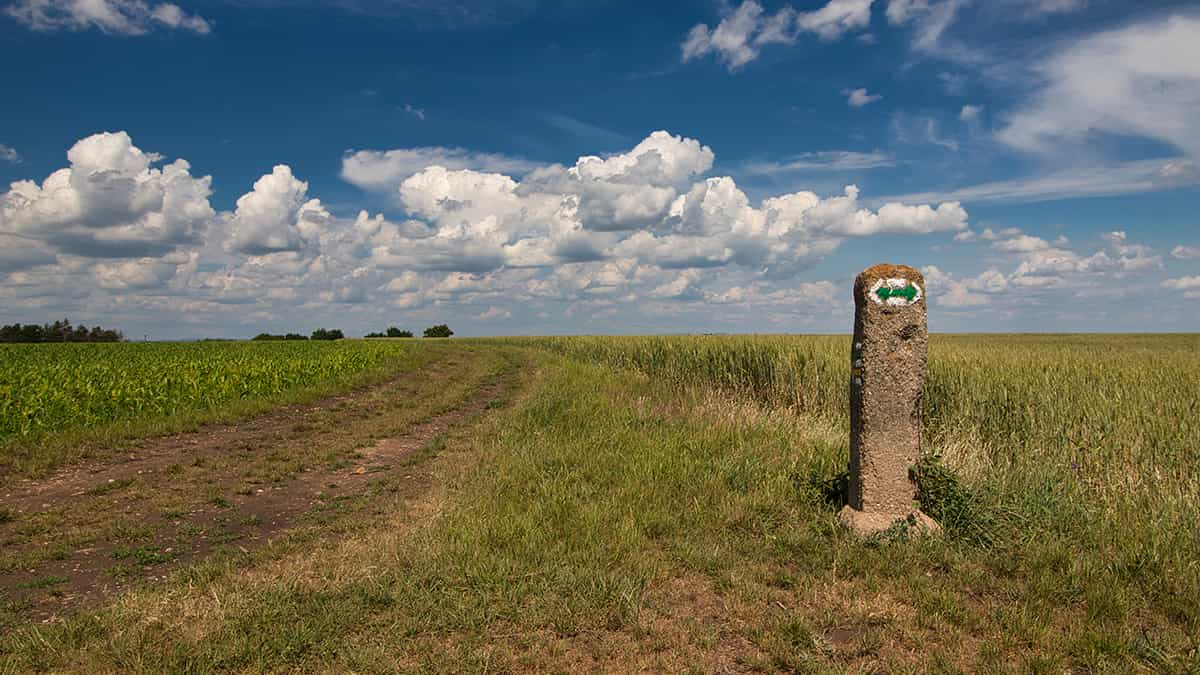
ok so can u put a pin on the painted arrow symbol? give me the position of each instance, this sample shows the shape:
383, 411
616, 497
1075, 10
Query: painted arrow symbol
908, 292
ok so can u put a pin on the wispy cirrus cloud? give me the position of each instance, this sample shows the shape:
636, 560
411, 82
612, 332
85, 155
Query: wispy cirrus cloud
1089, 181
117, 17
1142, 80
829, 160
581, 129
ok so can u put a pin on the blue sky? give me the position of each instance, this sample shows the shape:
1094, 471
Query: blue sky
525, 167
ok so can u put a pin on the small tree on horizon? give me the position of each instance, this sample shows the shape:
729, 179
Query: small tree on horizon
327, 334
439, 331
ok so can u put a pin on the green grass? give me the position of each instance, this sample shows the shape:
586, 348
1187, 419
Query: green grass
141, 555
681, 517
60, 402
1117, 415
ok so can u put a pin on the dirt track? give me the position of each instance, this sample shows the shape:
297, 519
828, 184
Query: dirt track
96, 528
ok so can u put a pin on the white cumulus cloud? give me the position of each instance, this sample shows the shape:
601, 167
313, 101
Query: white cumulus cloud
741, 34
111, 202
276, 215
384, 170
643, 230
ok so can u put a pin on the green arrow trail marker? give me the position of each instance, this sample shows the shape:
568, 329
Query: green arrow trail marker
909, 293
895, 291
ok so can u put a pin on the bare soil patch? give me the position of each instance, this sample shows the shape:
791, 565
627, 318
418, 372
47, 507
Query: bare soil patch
96, 528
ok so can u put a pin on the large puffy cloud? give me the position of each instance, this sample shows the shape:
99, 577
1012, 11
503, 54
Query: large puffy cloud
121, 17
590, 239
276, 215
645, 206
788, 231
631, 224
111, 202
631, 227
459, 198
627, 190
660, 159
634, 205
479, 222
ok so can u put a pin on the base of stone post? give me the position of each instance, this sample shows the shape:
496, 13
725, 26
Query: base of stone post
866, 524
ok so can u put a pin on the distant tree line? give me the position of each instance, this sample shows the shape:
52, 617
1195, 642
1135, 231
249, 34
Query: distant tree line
392, 332
59, 331
439, 331
318, 334
289, 336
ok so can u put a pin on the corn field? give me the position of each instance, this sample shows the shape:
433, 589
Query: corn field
52, 387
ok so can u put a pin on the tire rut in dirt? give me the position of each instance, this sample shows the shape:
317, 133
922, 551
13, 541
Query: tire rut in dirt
100, 528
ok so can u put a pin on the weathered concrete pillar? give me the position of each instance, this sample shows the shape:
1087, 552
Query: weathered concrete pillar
886, 381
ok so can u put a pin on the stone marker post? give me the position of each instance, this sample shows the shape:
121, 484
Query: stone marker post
887, 377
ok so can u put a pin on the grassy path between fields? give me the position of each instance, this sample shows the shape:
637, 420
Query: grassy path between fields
604, 520
98, 527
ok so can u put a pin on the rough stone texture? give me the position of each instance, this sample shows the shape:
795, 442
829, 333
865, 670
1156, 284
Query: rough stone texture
867, 523
887, 378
